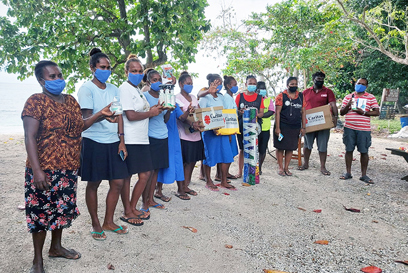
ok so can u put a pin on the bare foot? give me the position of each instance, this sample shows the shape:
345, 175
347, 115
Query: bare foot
37, 268
64, 253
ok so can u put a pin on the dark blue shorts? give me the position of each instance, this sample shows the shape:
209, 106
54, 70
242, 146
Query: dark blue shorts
353, 138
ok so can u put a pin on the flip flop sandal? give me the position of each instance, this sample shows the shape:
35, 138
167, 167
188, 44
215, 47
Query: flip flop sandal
326, 172
192, 192
212, 188
183, 196
219, 180
232, 188
232, 177
301, 168
366, 179
158, 206
163, 198
76, 257
128, 220
118, 229
282, 173
288, 173
100, 234
346, 176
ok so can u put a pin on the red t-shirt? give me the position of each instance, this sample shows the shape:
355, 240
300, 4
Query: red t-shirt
356, 121
250, 98
321, 98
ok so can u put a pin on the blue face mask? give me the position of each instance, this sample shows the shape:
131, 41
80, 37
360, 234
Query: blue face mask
135, 79
219, 87
102, 75
234, 89
188, 88
55, 87
251, 88
155, 86
262, 92
360, 88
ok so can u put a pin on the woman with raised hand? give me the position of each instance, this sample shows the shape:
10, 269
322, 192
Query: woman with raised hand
158, 139
249, 98
52, 130
137, 112
192, 146
290, 122
217, 148
102, 144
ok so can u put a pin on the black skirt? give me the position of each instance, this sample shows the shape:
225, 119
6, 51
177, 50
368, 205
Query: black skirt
289, 141
159, 152
192, 151
138, 159
100, 161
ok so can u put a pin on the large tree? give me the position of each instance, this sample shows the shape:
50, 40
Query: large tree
65, 31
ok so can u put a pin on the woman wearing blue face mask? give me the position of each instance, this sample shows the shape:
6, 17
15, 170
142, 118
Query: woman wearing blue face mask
101, 145
217, 148
249, 98
158, 139
192, 146
52, 128
137, 112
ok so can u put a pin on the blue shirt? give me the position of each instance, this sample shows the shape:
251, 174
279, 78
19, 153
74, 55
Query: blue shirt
229, 102
157, 127
92, 97
210, 101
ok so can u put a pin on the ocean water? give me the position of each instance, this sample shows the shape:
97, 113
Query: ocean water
12, 98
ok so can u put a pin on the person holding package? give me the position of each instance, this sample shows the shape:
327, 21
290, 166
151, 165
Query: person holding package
358, 108
192, 146
52, 132
217, 148
102, 144
316, 96
290, 122
137, 112
249, 98
263, 138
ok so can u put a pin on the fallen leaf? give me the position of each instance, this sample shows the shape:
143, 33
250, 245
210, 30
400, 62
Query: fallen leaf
273, 271
368, 194
110, 266
11, 138
322, 242
301, 209
343, 152
371, 157
194, 230
21, 207
383, 154
354, 159
219, 184
246, 185
228, 246
317, 210
351, 209
226, 193
375, 221
383, 158
402, 262
371, 269
340, 155
328, 155
71, 231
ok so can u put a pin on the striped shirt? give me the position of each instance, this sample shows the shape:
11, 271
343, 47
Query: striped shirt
356, 121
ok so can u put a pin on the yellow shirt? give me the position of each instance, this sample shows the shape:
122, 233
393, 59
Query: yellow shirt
266, 122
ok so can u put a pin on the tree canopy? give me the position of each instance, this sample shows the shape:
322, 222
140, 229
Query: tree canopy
66, 30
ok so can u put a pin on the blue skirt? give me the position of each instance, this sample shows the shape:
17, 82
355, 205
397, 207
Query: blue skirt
234, 146
217, 149
175, 171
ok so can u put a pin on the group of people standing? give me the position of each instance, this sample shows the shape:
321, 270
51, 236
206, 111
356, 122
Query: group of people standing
66, 139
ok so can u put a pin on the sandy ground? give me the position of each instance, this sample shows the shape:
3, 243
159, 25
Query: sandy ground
263, 223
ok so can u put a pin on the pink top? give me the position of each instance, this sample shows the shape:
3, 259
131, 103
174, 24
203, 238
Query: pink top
196, 136
356, 121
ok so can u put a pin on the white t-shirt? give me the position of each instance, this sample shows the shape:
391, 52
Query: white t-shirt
136, 132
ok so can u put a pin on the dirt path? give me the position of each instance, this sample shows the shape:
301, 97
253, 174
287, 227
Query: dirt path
263, 223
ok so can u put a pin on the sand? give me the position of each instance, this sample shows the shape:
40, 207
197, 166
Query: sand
262, 223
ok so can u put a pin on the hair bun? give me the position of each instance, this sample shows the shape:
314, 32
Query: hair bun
184, 73
94, 51
209, 76
225, 77
132, 56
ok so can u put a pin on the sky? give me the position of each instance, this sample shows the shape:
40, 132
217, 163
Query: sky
204, 65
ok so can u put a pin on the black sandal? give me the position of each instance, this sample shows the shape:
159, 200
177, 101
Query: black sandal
346, 176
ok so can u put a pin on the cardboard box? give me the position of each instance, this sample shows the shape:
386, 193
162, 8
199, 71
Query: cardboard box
211, 117
319, 118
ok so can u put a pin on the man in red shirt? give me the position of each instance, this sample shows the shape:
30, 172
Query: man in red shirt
316, 96
358, 108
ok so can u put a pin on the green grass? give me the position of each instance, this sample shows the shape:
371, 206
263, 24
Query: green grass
392, 125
